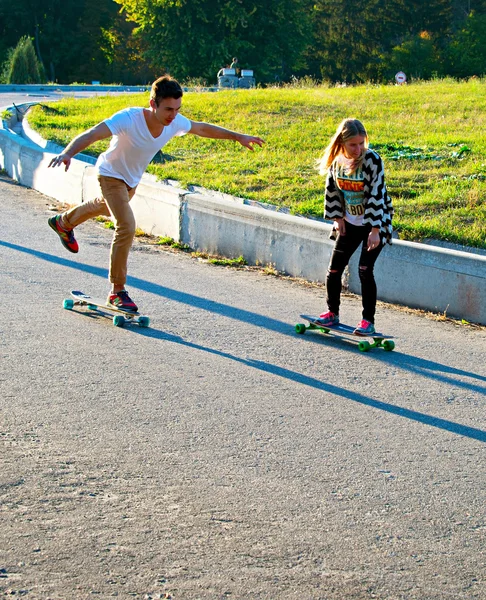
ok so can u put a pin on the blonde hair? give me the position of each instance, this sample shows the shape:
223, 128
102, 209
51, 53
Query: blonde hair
347, 129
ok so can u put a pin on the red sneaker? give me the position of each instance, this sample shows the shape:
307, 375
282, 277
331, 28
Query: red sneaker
123, 301
66, 235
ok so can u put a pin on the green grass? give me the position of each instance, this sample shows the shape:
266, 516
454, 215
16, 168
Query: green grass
228, 262
430, 135
170, 242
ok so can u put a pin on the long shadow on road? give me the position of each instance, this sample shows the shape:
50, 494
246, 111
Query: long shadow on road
424, 368
295, 376
165, 292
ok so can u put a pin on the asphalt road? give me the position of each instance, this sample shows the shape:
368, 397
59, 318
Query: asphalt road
218, 454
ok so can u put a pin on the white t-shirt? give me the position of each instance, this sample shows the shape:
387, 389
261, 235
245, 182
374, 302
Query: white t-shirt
352, 188
132, 146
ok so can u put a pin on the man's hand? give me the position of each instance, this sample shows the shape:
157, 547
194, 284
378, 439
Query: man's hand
220, 133
80, 143
248, 140
57, 161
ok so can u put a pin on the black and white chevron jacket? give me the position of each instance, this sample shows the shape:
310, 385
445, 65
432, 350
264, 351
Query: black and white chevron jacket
378, 205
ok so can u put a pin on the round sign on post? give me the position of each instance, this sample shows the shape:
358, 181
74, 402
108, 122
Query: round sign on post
400, 77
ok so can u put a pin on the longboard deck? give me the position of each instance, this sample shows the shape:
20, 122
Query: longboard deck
379, 339
121, 316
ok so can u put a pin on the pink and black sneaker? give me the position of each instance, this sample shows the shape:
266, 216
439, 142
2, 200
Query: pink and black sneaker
365, 328
66, 235
329, 319
123, 301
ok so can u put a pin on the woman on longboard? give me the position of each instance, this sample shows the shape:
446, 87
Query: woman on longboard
357, 200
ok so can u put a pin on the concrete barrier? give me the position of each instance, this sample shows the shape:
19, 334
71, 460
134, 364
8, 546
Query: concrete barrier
430, 278
410, 274
297, 246
27, 163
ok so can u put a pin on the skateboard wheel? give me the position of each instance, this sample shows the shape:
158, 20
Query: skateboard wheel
118, 320
300, 328
364, 346
68, 304
143, 321
388, 345
92, 307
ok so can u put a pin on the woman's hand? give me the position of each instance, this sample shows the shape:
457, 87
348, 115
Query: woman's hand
374, 239
340, 225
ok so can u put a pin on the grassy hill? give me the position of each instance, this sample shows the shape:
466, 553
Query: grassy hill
430, 135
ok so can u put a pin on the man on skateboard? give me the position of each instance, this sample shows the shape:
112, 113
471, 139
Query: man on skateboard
137, 135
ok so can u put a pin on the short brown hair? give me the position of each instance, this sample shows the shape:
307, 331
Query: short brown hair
165, 87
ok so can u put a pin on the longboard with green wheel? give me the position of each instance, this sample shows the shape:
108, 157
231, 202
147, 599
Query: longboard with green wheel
119, 319
380, 340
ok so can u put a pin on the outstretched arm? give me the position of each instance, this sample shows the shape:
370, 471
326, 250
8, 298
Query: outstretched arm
80, 143
220, 133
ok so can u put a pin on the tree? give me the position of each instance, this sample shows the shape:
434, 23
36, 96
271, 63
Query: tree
133, 41
408, 18
417, 56
70, 35
467, 51
350, 39
124, 54
24, 66
195, 38
354, 39
461, 9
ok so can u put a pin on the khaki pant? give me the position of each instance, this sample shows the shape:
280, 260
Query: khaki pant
115, 203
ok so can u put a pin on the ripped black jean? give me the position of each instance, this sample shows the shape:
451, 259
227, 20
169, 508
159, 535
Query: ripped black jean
344, 248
